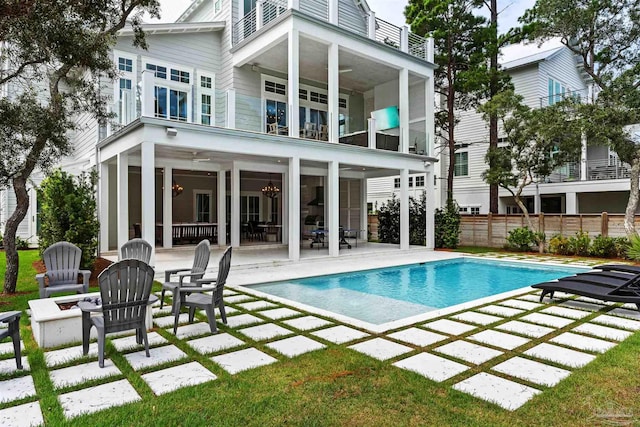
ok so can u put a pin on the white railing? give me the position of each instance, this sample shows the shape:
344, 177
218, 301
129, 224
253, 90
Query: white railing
567, 173
607, 169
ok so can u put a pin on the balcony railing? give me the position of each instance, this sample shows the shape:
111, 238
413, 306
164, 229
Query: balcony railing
567, 173
607, 169
377, 29
580, 96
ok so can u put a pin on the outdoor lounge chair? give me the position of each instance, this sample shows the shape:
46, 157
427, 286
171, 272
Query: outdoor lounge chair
200, 262
12, 318
62, 260
194, 296
125, 288
136, 249
617, 283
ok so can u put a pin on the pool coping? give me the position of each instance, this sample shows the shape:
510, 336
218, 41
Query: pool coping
387, 326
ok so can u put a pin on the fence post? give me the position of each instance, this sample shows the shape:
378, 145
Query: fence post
604, 224
581, 223
489, 228
561, 225
541, 222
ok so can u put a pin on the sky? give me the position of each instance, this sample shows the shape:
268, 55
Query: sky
392, 11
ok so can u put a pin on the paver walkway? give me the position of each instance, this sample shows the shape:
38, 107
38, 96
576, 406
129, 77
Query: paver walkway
505, 352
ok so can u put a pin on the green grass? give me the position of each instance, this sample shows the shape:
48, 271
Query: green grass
338, 387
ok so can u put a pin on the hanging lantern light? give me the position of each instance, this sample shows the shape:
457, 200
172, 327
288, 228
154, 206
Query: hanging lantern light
176, 189
270, 190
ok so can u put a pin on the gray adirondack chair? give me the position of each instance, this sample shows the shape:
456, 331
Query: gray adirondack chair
194, 296
136, 249
62, 260
12, 318
200, 262
124, 292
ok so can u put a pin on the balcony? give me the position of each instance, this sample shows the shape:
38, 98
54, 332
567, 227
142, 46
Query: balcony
267, 11
602, 169
582, 96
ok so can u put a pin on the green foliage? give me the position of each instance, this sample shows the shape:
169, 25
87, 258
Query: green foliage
621, 246
21, 243
521, 239
69, 213
579, 244
633, 251
389, 221
418, 220
603, 247
447, 226
559, 244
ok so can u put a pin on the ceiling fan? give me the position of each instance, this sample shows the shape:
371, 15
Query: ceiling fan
199, 159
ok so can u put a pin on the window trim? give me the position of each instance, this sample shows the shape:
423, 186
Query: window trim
205, 91
127, 75
455, 173
209, 193
172, 84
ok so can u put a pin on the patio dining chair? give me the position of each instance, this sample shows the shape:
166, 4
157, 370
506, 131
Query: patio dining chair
62, 261
125, 287
194, 296
136, 249
12, 318
200, 262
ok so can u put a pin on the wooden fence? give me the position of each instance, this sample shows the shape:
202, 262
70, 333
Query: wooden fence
492, 230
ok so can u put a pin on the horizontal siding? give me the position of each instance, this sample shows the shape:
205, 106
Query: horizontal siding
526, 82
85, 137
316, 8
351, 17
561, 67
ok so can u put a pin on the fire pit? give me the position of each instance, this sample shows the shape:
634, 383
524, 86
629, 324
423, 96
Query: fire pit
55, 321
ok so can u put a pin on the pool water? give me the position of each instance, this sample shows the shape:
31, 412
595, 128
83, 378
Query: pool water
388, 294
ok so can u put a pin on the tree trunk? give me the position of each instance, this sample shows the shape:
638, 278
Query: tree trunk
452, 143
493, 90
22, 206
634, 194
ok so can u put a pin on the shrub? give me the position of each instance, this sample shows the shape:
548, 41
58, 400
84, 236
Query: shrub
559, 245
621, 245
521, 239
21, 244
389, 221
418, 220
447, 226
579, 245
633, 251
603, 247
69, 213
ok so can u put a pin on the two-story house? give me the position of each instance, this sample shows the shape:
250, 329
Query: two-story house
596, 182
249, 121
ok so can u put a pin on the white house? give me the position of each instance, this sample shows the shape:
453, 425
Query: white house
312, 97
598, 182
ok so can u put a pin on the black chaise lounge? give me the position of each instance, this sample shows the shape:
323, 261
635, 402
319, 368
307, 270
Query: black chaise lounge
609, 282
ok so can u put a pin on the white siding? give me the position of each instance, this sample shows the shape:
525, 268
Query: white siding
317, 8
562, 68
351, 17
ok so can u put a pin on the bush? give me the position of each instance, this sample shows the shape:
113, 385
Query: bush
579, 245
21, 244
521, 239
418, 220
447, 226
603, 247
621, 245
69, 213
633, 251
389, 221
559, 245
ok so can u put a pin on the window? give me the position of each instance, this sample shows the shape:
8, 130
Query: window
342, 102
461, 167
318, 97
249, 208
125, 64
475, 210
396, 182
206, 98
303, 94
419, 181
202, 206
463, 210
556, 91
205, 109
410, 181
180, 76
274, 87
172, 102
276, 113
206, 82
159, 72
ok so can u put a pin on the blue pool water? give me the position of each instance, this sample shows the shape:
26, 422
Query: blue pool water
388, 294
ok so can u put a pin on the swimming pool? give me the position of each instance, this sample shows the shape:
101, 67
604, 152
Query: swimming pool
389, 294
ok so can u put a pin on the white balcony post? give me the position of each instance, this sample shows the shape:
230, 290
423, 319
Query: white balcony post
333, 92
234, 221
404, 209
293, 4
123, 199
430, 209
148, 195
104, 207
148, 94
293, 208
259, 14
404, 38
372, 25
285, 197
583, 157
430, 49
404, 110
333, 208
364, 212
294, 83
231, 109
167, 208
430, 125
372, 133
333, 11
222, 208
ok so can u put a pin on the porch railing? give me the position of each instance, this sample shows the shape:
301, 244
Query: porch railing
264, 12
607, 169
567, 173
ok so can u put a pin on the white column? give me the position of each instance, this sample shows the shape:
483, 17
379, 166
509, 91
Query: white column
222, 208
285, 207
371, 135
259, 14
371, 25
293, 208
167, 208
123, 199
333, 79
430, 49
536, 201
293, 4
148, 195
404, 209
148, 94
404, 38
571, 204
234, 221
104, 207
231, 109
333, 11
364, 213
404, 110
429, 108
583, 158
333, 207
430, 209
294, 83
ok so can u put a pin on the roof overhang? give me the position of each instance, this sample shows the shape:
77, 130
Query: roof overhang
172, 28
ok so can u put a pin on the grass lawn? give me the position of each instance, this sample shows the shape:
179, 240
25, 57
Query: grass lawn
336, 386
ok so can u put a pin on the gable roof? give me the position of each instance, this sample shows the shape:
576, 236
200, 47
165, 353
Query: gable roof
532, 59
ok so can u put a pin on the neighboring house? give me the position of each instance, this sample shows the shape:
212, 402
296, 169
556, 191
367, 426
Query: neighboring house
598, 182
312, 97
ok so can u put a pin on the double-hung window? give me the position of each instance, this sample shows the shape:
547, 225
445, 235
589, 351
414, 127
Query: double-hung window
125, 88
206, 99
461, 167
